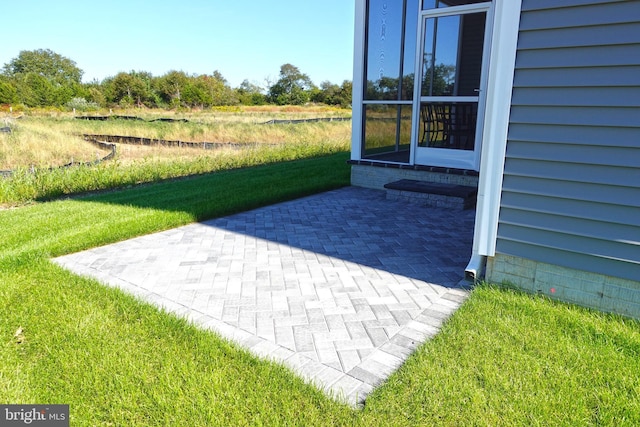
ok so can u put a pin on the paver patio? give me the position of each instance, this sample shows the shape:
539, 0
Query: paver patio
341, 287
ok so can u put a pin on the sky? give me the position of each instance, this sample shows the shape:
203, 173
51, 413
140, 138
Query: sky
243, 39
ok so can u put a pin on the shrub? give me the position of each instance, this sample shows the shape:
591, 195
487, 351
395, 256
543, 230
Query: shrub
81, 104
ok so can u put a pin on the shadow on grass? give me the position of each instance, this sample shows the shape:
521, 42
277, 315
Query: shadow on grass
226, 192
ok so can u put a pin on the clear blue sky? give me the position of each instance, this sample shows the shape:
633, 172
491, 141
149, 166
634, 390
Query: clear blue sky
243, 39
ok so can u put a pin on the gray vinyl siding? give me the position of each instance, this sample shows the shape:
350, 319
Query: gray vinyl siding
571, 192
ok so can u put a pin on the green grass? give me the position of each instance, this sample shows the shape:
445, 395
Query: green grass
505, 358
64, 226
509, 358
25, 186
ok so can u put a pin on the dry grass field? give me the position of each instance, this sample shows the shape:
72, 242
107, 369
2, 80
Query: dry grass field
49, 139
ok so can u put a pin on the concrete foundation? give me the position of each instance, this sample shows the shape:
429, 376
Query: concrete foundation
605, 293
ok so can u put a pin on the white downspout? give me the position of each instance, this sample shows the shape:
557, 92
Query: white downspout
475, 268
504, 42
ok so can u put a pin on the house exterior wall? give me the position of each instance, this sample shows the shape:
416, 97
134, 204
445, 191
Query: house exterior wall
571, 190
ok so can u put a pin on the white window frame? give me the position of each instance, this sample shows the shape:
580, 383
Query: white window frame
459, 159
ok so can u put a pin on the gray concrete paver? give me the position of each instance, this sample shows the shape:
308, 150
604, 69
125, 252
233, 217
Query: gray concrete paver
341, 287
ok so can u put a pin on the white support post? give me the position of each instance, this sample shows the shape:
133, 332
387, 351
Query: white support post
358, 79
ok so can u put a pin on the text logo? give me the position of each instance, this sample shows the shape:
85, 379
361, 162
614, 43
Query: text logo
34, 415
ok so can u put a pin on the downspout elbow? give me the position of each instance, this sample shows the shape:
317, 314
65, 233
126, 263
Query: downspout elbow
475, 268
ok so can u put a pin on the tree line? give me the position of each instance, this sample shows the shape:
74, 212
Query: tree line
43, 78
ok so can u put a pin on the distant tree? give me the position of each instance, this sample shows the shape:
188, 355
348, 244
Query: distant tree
408, 81
293, 87
385, 88
94, 92
218, 76
129, 89
196, 92
219, 89
171, 86
35, 90
149, 97
62, 94
42, 78
439, 80
45, 63
332, 94
250, 94
323, 92
8, 92
345, 98
179, 89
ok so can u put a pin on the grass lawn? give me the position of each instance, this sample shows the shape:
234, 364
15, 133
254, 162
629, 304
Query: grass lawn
505, 358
